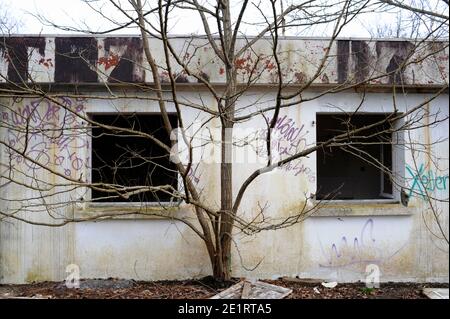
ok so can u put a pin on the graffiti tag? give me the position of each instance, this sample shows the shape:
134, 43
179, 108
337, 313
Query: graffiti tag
424, 181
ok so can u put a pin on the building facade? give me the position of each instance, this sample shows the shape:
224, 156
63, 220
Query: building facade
399, 225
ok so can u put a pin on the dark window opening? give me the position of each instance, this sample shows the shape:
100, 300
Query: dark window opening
343, 175
129, 160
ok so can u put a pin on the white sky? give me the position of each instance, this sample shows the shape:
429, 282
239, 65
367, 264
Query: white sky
77, 13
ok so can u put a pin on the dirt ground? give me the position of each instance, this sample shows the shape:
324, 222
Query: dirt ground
205, 288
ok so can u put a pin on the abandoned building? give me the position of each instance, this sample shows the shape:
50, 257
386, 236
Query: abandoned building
397, 223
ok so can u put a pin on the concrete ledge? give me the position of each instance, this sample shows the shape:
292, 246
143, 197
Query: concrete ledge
129, 211
363, 208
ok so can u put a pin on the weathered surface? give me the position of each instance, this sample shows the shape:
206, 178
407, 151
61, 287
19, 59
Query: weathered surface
120, 59
17, 55
336, 245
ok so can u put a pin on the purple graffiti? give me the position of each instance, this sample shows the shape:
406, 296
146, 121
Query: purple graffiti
351, 250
357, 251
287, 139
194, 174
45, 132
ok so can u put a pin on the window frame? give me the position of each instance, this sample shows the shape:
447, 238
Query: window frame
383, 192
398, 162
98, 204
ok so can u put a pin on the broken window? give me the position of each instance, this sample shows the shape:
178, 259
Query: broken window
362, 169
127, 159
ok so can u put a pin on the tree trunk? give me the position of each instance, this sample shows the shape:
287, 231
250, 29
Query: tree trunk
221, 270
223, 251
224, 227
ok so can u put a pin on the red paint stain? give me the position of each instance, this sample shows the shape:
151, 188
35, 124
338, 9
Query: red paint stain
300, 77
110, 61
239, 63
221, 71
269, 65
46, 62
244, 64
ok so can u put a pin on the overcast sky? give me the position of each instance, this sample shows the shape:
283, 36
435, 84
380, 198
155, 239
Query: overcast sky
77, 13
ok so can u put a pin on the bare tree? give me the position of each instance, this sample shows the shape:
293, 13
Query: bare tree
411, 19
8, 24
243, 64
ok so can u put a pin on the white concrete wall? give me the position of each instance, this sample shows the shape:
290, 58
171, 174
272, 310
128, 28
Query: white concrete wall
338, 243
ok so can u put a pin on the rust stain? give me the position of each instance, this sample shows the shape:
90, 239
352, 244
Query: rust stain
109, 61
239, 63
343, 54
300, 77
77, 58
127, 68
269, 65
244, 64
361, 57
402, 50
204, 76
46, 62
181, 78
15, 51
164, 77
73, 59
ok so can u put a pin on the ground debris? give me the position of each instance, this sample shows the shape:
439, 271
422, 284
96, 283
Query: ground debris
253, 290
436, 293
206, 288
329, 284
110, 283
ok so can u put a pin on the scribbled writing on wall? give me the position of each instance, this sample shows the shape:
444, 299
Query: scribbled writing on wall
195, 173
42, 134
356, 250
423, 181
287, 139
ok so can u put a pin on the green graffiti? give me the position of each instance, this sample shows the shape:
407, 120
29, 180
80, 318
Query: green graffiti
425, 181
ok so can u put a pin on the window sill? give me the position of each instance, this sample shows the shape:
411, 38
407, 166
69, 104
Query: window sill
362, 207
132, 204
129, 211
359, 201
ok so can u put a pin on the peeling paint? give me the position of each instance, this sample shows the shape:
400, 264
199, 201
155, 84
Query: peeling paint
15, 52
74, 60
121, 60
